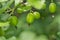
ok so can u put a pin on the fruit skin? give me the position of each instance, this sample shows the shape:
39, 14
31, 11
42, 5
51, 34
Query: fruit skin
52, 7
36, 15
13, 20
30, 18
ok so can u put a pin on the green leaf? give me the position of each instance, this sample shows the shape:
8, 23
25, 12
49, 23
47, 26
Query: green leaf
41, 37
2, 24
38, 4
2, 38
11, 31
17, 2
3, 0
12, 38
27, 35
2, 33
4, 17
6, 6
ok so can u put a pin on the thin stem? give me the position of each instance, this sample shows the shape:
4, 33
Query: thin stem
12, 11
